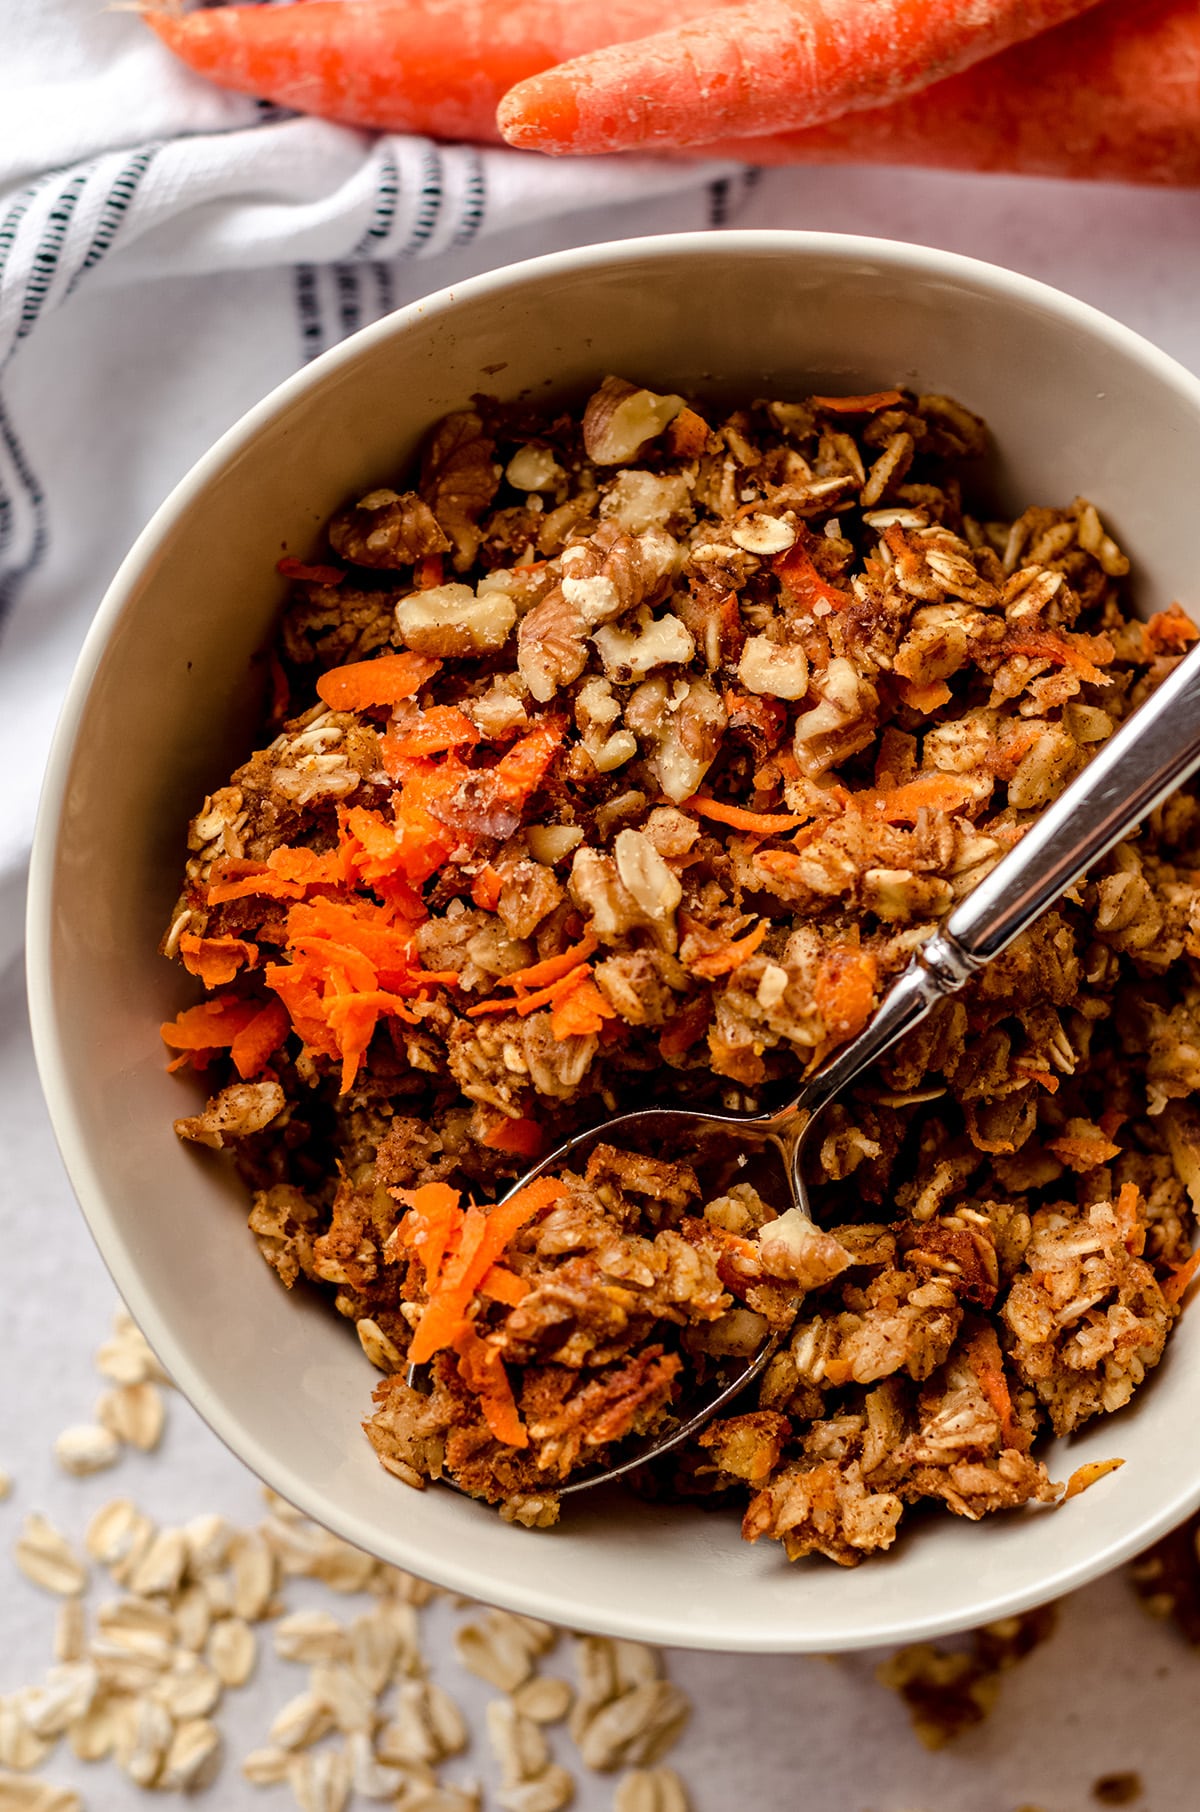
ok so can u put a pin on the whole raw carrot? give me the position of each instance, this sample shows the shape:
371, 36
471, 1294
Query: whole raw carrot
1111, 97
763, 66
436, 67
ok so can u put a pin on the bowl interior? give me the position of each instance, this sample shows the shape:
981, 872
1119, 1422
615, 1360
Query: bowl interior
163, 705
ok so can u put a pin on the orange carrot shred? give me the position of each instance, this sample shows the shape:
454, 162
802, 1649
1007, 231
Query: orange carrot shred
1083, 1476
312, 575
213, 1025
487, 887
844, 990
731, 955
260, 1039
482, 1370
764, 824
440, 728
428, 572
521, 1138
502, 1285
924, 698
434, 1215
987, 1362
927, 793
537, 975
580, 1009
859, 405
1175, 1288
524, 1004
216, 960
484, 1239
385, 680
799, 574
685, 1030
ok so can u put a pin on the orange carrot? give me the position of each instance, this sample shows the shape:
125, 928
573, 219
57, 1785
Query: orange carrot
859, 405
502, 1285
520, 772
213, 1025
260, 1039
1083, 1476
903, 804
437, 67
766, 66
216, 960
1170, 631
1181, 1276
288, 874
427, 572
524, 1004
987, 1362
484, 1238
440, 728
687, 435
760, 824
537, 975
482, 1370
487, 887
798, 573
581, 1008
732, 955
311, 575
1110, 97
926, 697
433, 1217
382, 681
521, 1138
844, 990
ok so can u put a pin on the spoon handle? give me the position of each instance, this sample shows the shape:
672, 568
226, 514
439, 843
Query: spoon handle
1152, 753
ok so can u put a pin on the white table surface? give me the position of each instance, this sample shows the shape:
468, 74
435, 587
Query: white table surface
1111, 1691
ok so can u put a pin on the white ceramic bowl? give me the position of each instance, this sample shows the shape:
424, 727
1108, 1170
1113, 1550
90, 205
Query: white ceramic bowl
162, 705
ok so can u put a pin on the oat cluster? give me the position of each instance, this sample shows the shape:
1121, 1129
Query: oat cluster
627, 756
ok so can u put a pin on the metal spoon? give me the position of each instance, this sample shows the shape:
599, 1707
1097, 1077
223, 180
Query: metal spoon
1152, 753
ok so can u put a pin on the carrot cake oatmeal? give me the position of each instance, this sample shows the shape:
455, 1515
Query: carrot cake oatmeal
625, 758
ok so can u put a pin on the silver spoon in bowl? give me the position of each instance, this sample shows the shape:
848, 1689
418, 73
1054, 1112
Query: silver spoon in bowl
1152, 753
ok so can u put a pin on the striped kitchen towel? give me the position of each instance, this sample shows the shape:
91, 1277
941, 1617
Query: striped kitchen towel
168, 253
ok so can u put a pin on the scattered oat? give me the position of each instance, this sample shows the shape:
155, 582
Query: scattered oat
47, 1558
551, 1790
651, 1790
267, 1767
546, 1699
190, 1689
65, 1694
232, 1650
70, 1630
160, 1567
638, 1727
134, 1413
86, 1447
253, 1576
311, 1636
497, 1650
5, 1486
144, 1733
20, 1748
320, 1783
193, 1756
517, 1743
303, 1720
20, 1794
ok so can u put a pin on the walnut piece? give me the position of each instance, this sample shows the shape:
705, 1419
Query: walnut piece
386, 529
620, 419
455, 620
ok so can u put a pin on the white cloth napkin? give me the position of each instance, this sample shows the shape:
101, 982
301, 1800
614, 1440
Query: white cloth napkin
168, 252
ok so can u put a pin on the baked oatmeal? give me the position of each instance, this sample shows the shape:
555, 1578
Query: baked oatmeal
626, 757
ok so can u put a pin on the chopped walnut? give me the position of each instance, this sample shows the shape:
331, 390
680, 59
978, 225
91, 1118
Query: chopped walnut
387, 529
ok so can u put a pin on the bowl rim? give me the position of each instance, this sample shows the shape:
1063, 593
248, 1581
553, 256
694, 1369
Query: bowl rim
455, 1572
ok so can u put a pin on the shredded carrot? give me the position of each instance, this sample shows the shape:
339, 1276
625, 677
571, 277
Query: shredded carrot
521, 1138
216, 960
1181, 1276
440, 728
385, 680
903, 804
844, 990
1170, 631
1085, 653
487, 887
519, 773
685, 1030
783, 863
1045, 1078
502, 1285
1083, 1476
1133, 1233
763, 824
213, 1025
260, 1039
987, 1362
288, 874
524, 1004
732, 955
859, 405
482, 1370
427, 572
799, 574
433, 1217
1082, 1153
312, 575
924, 698
581, 1008
484, 1238
537, 975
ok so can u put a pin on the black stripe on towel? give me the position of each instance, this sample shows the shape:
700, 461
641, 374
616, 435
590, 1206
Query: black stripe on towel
385, 289
21, 204
429, 204
349, 299
114, 210
474, 202
387, 194
45, 260
14, 577
308, 311
718, 202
